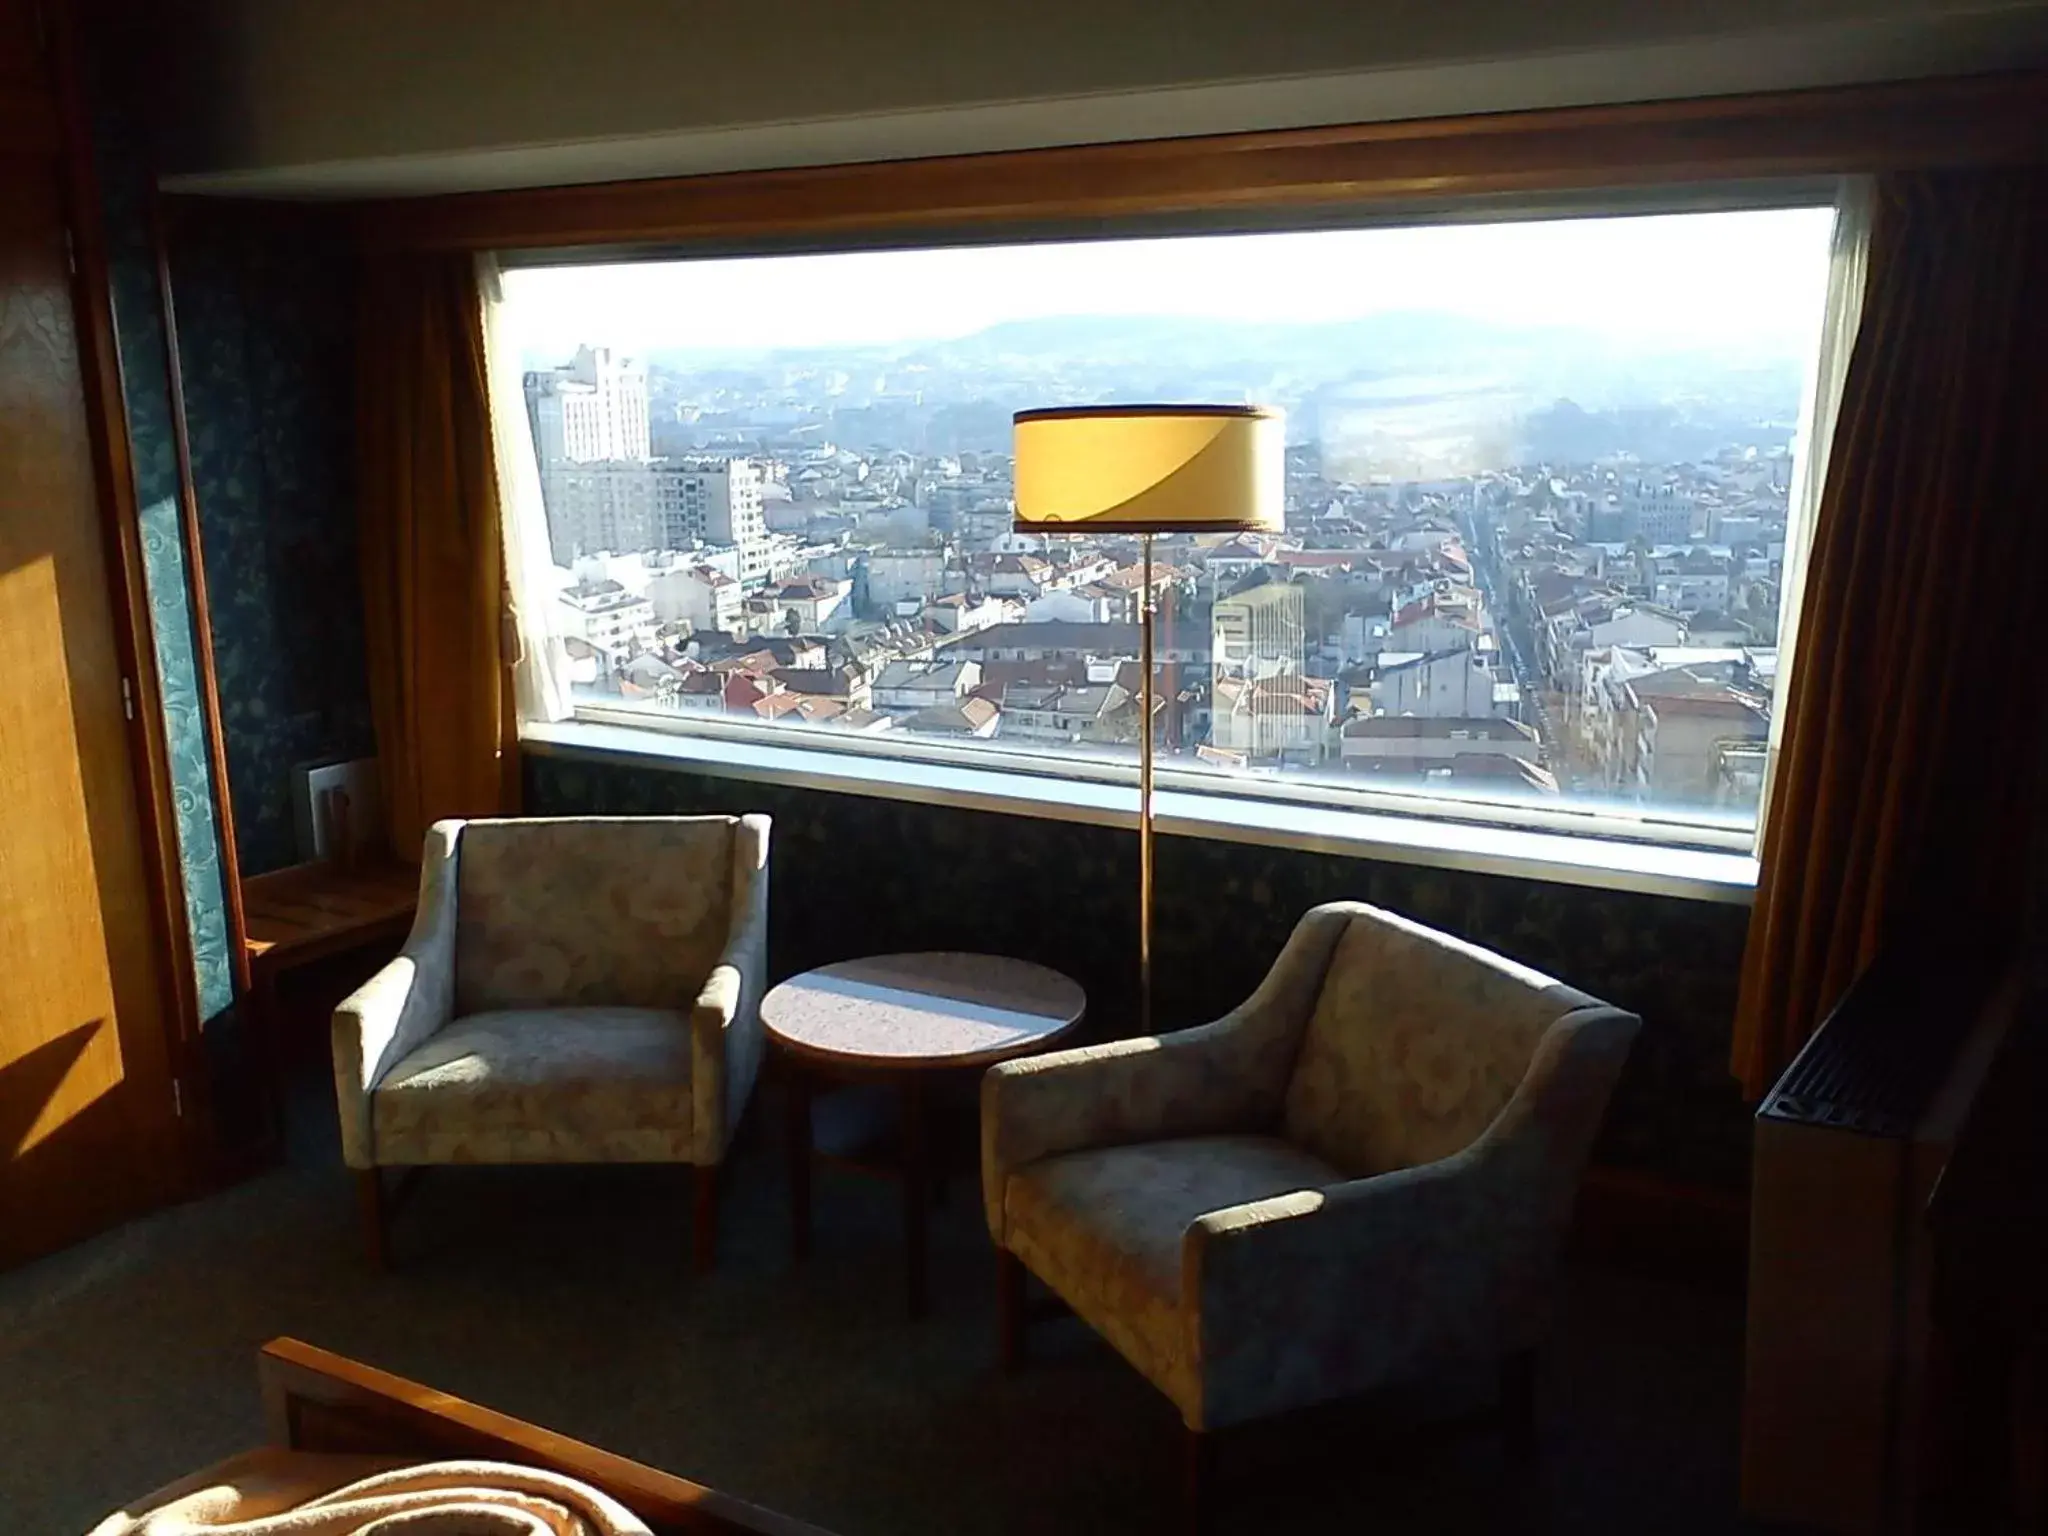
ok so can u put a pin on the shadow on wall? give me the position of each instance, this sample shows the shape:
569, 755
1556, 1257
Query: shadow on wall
853, 875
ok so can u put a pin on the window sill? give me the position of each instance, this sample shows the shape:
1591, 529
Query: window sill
1689, 873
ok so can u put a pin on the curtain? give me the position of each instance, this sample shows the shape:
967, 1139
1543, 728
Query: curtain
1820, 410
540, 664
1909, 781
433, 568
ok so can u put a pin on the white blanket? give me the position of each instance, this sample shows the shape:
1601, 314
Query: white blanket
299, 1493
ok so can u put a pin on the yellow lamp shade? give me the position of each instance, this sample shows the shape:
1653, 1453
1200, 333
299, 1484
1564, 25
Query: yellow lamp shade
1150, 469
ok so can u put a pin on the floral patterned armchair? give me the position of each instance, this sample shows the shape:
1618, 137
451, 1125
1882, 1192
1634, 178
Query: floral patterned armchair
575, 990
1365, 1170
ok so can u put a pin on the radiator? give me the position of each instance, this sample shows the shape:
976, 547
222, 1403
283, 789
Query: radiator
1849, 1146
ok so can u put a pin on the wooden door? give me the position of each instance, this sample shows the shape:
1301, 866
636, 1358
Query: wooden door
87, 1124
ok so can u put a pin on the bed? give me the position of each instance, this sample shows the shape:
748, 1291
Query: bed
325, 1404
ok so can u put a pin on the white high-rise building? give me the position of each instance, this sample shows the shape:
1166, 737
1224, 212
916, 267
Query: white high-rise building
602, 486
606, 506
591, 409
590, 436
717, 501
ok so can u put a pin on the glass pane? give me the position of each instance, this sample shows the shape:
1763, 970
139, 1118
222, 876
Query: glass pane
1537, 485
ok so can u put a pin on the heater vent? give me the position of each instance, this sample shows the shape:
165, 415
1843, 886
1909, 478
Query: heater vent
1879, 1059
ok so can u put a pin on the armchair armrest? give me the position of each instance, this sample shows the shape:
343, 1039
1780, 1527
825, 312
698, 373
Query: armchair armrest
1224, 1076
725, 1019
1320, 1293
396, 1010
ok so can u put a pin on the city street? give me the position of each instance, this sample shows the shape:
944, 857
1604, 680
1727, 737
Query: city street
1517, 646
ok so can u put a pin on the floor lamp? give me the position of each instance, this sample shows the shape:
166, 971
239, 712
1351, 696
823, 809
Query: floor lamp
1149, 469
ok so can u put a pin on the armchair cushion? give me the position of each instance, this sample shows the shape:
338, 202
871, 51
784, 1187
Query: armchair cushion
542, 1085
1224, 1077
1417, 1042
1105, 1229
585, 912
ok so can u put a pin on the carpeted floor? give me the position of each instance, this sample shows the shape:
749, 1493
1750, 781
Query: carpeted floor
564, 1296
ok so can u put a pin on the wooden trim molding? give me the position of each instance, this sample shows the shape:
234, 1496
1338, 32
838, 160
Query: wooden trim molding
314, 1400
174, 1146
107, 414
202, 615
1787, 134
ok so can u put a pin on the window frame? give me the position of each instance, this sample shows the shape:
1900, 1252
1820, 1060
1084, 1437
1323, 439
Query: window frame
1567, 858
1597, 820
1625, 834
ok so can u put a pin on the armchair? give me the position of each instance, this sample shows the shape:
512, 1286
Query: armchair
1364, 1170
575, 990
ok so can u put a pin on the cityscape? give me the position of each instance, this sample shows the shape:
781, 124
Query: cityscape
1519, 560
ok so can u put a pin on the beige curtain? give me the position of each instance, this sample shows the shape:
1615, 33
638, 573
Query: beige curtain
1910, 775
540, 663
433, 566
1820, 411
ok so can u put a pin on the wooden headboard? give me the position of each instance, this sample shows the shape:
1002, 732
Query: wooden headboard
315, 1400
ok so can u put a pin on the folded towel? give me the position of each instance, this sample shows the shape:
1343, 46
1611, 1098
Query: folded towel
296, 1493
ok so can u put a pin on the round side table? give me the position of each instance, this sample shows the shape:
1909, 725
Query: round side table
901, 1020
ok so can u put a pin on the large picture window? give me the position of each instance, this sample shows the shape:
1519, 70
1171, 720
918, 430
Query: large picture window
1539, 480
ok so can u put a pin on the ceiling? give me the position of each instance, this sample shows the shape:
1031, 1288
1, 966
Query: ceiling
304, 98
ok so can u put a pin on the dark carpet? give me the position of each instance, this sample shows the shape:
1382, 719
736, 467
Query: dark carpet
564, 1296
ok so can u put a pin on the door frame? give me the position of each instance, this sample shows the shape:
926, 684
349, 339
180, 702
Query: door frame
186, 1136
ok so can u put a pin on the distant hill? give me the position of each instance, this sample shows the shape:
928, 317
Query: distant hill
1417, 392
1567, 433
1394, 342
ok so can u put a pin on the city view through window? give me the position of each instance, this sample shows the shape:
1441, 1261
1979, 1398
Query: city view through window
1537, 499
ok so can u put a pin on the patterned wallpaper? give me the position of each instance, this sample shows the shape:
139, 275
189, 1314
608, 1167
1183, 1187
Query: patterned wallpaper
145, 384
265, 306
854, 875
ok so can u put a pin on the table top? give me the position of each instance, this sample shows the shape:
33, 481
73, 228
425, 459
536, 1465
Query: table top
308, 909
937, 1009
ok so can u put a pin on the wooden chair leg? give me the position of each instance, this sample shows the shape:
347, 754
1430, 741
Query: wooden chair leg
1201, 1482
1518, 1400
704, 1229
371, 1204
1010, 1308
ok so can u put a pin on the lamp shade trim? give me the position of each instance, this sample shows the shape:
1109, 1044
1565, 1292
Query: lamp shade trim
1098, 412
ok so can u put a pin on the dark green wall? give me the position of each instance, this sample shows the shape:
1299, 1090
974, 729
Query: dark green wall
854, 875
265, 307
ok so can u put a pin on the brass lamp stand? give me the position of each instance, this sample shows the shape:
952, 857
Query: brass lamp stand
1145, 707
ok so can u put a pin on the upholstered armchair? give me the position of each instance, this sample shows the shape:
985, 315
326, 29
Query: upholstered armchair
573, 991
1363, 1172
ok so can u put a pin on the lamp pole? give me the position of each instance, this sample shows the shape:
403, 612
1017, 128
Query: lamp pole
1147, 469
1145, 789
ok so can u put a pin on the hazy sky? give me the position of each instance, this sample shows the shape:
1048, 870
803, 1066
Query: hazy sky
1740, 279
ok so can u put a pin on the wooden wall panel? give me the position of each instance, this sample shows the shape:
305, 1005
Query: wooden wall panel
86, 1106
